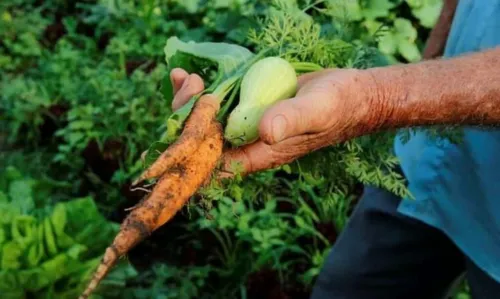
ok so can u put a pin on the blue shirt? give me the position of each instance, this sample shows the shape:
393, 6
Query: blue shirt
457, 187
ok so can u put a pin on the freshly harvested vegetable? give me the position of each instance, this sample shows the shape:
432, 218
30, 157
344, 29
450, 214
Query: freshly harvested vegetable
187, 163
268, 81
192, 142
194, 133
221, 64
174, 188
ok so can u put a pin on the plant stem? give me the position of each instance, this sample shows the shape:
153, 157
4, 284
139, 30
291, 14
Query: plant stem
306, 67
224, 110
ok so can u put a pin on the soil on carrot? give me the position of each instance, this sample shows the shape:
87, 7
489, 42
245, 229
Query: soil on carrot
172, 243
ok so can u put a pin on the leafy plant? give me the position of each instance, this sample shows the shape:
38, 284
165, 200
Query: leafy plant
398, 33
82, 97
49, 250
168, 281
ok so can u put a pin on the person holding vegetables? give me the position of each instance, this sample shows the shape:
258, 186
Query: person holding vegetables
391, 247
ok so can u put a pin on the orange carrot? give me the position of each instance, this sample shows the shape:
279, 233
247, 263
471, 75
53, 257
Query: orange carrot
169, 195
193, 134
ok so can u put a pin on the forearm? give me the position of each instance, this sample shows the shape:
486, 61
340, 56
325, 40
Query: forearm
439, 34
458, 91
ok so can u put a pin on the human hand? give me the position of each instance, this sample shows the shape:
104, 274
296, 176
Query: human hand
331, 106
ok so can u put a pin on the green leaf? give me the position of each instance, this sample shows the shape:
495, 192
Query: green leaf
3, 236
222, 3
270, 206
20, 193
427, 11
401, 39
3, 198
377, 8
215, 62
23, 230
409, 50
346, 10
57, 267
191, 6
12, 174
32, 279
301, 223
59, 220
11, 254
74, 137
35, 254
388, 44
405, 29
87, 226
49, 237
228, 57
81, 124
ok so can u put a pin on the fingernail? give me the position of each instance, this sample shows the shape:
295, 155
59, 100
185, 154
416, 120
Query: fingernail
278, 127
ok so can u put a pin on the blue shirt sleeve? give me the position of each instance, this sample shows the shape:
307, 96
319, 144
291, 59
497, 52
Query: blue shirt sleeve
457, 187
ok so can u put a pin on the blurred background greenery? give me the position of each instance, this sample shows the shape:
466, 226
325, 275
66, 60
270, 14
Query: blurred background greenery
79, 102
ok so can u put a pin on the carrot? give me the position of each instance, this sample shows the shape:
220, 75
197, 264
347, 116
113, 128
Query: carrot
193, 134
169, 195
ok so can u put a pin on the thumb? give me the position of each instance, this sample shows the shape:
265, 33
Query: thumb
293, 117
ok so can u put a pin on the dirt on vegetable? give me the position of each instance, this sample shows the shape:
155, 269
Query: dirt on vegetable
177, 183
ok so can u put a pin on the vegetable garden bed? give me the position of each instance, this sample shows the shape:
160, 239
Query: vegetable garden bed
82, 97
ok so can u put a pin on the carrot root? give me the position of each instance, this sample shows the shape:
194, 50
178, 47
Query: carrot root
169, 195
192, 136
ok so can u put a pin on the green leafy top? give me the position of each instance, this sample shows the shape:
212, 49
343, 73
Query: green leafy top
221, 64
227, 56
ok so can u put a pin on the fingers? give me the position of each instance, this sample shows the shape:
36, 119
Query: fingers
177, 77
247, 159
260, 156
305, 78
311, 113
185, 86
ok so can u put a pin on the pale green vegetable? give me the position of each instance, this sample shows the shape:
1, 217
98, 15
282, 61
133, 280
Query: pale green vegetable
268, 81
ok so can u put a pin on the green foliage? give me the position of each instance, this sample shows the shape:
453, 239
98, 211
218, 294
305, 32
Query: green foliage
221, 64
398, 33
367, 159
50, 250
85, 91
169, 281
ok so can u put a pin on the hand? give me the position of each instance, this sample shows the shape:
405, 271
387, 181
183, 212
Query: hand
331, 106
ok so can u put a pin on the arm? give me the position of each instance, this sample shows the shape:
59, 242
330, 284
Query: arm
336, 105
458, 91
439, 34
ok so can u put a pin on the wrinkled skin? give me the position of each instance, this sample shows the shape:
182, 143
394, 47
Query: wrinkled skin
295, 127
333, 105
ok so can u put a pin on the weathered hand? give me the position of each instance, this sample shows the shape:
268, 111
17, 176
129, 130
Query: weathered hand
330, 106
